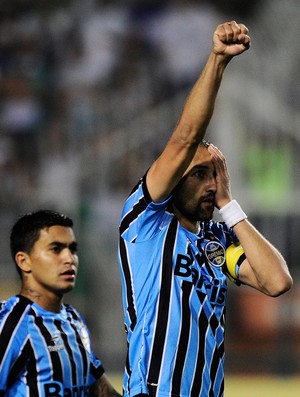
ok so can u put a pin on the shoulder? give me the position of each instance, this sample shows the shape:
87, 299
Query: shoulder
140, 198
15, 304
14, 316
141, 216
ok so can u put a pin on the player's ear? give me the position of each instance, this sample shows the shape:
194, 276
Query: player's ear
23, 261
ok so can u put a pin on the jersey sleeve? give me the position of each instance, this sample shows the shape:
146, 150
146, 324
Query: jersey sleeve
141, 217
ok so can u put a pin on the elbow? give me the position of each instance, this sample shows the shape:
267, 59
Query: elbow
280, 286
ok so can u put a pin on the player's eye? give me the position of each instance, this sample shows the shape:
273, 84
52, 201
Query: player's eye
74, 248
56, 249
199, 174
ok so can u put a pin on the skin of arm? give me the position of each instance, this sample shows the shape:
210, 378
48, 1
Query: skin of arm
230, 39
103, 388
264, 269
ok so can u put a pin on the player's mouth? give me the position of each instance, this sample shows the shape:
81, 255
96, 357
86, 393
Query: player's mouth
209, 200
69, 274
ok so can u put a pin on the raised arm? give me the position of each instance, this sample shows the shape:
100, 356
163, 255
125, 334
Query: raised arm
264, 267
230, 39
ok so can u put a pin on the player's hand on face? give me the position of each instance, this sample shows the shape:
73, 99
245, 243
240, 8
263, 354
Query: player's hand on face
231, 39
223, 193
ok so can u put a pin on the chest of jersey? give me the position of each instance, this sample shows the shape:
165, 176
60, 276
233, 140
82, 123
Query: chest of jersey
199, 261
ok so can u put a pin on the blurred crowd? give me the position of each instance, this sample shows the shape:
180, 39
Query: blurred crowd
71, 72
90, 90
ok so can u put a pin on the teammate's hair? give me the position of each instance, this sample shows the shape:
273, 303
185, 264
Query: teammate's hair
26, 230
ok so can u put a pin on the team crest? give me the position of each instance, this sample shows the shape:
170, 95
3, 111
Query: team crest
84, 335
215, 253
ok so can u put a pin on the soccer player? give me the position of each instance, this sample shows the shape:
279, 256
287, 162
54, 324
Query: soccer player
45, 348
175, 259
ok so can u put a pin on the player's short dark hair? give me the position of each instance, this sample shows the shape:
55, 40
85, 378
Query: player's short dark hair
26, 231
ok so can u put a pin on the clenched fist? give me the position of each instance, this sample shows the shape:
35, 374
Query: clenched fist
231, 39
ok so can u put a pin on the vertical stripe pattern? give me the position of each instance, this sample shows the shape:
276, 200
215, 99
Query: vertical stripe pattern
174, 293
43, 354
163, 306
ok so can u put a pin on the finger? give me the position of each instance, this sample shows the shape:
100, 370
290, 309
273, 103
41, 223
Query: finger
218, 165
220, 32
244, 40
215, 151
244, 29
232, 32
237, 29
219, 159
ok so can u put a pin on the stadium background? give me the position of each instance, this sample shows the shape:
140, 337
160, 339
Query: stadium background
90, 91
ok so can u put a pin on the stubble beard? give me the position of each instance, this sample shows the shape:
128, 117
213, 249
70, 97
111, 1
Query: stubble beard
198, 214
204, 215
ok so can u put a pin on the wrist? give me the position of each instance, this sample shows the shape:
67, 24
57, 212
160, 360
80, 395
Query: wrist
220, 61
222, 203
232, 213
221, 57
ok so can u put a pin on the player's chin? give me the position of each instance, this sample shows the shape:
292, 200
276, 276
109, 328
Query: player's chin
67, 287
206, 214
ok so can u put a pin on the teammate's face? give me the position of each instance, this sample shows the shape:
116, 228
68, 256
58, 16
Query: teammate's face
52, 264
194, 196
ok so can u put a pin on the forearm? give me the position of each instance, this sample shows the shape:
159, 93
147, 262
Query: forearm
199, 106
229, 40
265, 268
189, 132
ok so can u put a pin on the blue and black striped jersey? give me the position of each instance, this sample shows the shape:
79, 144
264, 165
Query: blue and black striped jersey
174, 293
44, 354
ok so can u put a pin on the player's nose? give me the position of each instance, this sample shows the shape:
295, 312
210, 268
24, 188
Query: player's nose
68, 256
211, 185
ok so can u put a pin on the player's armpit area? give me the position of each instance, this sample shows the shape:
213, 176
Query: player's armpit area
103, 388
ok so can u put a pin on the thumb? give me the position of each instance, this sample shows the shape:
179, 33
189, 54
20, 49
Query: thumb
244, 39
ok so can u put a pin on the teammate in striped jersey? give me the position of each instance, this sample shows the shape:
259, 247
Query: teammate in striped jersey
175, 260
45, 348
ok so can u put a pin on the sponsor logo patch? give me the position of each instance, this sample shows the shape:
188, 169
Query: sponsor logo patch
57, 341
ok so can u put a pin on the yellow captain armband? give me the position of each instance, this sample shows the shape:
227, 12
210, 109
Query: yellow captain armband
234, 256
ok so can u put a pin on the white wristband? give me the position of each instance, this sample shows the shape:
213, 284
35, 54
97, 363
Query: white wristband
232, 213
